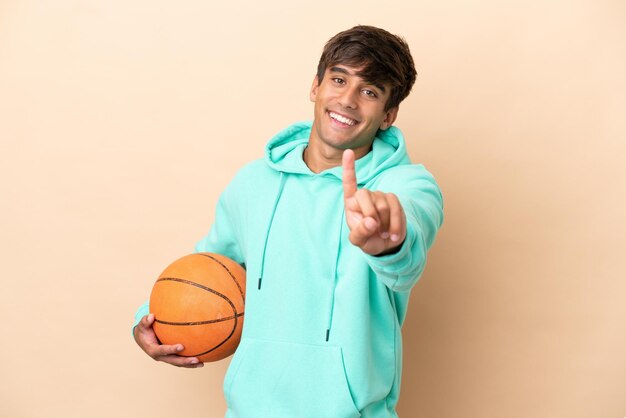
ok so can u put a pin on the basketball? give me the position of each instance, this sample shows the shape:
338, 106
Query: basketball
198, 301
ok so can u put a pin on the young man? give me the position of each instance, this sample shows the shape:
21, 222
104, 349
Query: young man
333, 226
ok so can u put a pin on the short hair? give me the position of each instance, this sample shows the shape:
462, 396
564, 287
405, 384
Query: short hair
382, 56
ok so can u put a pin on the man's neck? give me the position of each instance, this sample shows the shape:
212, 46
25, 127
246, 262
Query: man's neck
319, 158
318, 162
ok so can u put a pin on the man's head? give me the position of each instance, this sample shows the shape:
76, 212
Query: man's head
383, 59
363, 75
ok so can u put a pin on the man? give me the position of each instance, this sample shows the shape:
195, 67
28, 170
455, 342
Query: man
333, 226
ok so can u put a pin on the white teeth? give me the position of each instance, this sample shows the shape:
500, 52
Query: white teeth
342, 119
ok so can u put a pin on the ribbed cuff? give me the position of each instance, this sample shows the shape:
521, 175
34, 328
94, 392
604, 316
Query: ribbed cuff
141, 312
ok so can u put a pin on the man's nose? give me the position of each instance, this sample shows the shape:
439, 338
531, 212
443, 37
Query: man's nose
349, 98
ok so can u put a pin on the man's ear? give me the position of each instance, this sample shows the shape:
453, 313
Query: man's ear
314, 87
390, 118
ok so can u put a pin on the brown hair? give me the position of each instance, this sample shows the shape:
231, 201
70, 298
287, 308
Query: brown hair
382, 56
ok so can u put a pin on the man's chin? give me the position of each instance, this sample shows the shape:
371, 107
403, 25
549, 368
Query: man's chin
340, 143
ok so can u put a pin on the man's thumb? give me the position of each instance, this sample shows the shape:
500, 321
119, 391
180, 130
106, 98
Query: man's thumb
361, 233
147, 321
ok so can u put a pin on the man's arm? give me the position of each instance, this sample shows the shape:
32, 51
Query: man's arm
394, 230
221, 239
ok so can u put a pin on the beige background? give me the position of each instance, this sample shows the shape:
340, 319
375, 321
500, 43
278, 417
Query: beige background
121, 122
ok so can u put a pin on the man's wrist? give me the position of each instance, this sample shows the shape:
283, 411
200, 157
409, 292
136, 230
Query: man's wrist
391, 251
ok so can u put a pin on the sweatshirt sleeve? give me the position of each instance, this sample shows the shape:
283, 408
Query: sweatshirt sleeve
422, 202
223, 237
141, 312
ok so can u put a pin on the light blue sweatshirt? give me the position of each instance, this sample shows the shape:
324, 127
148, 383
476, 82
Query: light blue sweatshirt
321, 335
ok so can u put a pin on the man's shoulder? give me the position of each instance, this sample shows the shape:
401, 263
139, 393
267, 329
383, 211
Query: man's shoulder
404, 177
405, 171
253, 168
251, 174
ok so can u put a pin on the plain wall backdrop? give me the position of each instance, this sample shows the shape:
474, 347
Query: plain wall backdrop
121, 122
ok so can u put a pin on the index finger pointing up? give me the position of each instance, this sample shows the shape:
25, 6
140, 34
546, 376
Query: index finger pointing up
349, 175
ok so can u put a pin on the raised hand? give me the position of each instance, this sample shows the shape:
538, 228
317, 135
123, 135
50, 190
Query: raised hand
376, 220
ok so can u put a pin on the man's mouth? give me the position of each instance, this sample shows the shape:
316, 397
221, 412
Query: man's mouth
342, 119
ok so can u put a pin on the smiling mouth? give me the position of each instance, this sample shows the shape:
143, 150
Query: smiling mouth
342, 119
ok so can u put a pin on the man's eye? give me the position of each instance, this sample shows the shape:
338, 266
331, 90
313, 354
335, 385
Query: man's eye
338, 80
369, 93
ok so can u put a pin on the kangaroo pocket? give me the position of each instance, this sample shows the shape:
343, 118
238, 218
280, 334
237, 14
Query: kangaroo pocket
286, 380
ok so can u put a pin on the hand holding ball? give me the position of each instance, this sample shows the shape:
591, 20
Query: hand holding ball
198, 301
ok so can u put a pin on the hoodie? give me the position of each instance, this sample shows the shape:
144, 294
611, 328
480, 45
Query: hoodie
321, 335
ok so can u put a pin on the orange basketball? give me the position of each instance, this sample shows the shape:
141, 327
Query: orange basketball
198, 302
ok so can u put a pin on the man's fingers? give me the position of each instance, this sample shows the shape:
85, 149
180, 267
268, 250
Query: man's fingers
169, 354
146, 321
374, 205
366, 204
376, 219
397, 219
147, 340
144, 333
365, 229
383, 210
190, 362
165, 350
349, 175
352, 204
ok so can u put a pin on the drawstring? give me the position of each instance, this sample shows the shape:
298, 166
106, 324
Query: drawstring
281, 186
334, 284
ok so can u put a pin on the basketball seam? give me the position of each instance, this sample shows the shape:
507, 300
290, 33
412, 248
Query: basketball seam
228, 271
208, 289
212, 321
243, 298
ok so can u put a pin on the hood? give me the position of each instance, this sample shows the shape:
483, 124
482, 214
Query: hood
283, 153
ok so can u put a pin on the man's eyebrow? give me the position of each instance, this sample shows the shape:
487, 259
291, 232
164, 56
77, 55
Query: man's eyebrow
345, 71
340, 70
380, 87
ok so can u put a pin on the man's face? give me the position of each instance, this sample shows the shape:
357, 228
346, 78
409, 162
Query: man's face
348, 110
